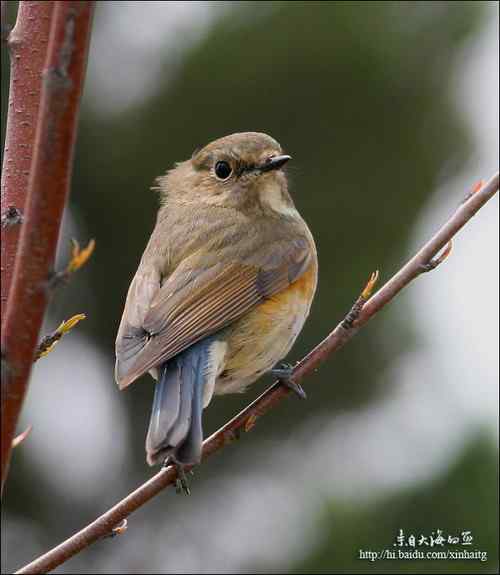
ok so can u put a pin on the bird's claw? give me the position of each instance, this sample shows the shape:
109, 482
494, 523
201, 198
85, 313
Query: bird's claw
181, 481
284, 373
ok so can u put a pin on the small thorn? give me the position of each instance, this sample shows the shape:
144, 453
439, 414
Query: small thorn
476, 187
117, 530
120, 528
438, 260
22, 436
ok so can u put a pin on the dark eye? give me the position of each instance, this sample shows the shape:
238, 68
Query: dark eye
223, 170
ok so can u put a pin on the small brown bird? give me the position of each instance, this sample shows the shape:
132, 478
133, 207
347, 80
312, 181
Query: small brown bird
222, 290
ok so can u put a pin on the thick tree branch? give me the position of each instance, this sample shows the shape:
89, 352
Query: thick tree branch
27, 44
359, 315
47, 192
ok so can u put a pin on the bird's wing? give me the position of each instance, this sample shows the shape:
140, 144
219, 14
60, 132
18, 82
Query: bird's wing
196, 302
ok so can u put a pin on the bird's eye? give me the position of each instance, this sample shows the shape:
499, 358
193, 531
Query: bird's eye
223, 170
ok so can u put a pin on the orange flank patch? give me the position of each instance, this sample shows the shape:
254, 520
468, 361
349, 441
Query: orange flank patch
302, 289
264, 336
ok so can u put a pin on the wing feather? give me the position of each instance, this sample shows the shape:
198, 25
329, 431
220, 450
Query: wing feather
194, 303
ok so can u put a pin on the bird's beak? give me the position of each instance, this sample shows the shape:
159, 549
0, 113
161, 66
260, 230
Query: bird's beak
274, 163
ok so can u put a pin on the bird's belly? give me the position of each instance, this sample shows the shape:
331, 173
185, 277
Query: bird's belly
264, 336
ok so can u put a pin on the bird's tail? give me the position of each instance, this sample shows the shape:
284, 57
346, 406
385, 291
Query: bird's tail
175, 428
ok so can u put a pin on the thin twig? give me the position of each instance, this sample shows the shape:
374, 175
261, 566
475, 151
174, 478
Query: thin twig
47, 193
244, 421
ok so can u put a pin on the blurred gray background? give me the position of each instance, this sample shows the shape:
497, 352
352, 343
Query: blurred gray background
390, 110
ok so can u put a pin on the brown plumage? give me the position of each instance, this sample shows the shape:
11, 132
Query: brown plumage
225, 284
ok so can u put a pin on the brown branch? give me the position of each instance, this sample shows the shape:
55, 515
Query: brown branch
27, 44
47, 192
361, 312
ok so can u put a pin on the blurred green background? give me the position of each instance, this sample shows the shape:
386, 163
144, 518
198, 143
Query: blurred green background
363, 95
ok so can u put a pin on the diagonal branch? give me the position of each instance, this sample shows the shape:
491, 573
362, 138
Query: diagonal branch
48, 188
363, 310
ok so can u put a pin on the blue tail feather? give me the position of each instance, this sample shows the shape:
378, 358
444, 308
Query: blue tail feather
175, 428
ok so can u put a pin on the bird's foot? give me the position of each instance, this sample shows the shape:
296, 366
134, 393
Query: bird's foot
181, 481
285, 375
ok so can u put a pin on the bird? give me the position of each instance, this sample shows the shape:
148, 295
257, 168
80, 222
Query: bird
221, 292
